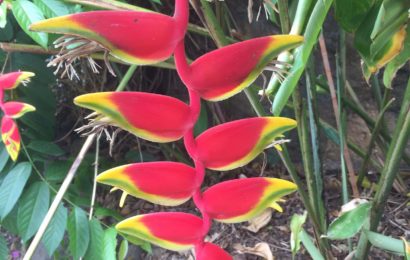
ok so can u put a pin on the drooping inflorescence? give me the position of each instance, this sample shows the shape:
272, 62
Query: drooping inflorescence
12, 110
215, 76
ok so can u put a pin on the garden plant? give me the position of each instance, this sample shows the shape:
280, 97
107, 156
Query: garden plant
90, 42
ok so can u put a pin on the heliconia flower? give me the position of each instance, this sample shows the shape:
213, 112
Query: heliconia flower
134, 37
224, 72
209, 251
242, 199
13, 79
15, 109
171, 230
164, 183
152, 117
234, 144
11, 137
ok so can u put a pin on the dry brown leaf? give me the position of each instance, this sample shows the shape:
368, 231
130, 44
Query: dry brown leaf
260, 249
260, 221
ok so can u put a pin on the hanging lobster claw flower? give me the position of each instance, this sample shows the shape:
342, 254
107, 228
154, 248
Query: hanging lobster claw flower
11, 137
209, 251
234, 144
15, 109
242, 199
152, 117
164, 183
225, 72
171, 230
13, 79
134, 37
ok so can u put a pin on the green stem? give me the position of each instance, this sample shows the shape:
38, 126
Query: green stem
284, 16
390, 171
126, 78
372, 142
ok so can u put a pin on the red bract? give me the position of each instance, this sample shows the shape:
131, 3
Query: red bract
142, 113
15, 109
172, 230
11, 137
254, 195
224, 72
164, 183
236, 143
13, 79
134, 37
210, 251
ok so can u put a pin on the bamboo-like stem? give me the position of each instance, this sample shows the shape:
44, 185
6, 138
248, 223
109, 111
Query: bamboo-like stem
66, 183
59, 196
94, 192
389, 173
349, 164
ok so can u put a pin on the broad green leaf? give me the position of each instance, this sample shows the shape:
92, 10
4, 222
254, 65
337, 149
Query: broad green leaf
45, 147
3, 14
385, 242
78, 233
351, 13
393, 66
96, 247
10, 222
55, 231
32, 209
27, 13
4, 156
349, 223
310, 246
110, 243
123, 251
52, 8
57, 170
104, 212
296, 225
4, 250
12, 187
202, 122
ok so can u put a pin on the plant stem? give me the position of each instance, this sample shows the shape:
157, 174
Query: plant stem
349, 164
94, 192
389, 173
67, 181
126, 78
59, 196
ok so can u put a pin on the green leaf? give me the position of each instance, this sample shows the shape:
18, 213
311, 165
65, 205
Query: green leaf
57, 170
12, 187
55, 231
4, 250
349, 223
27, 13
202, 122
122, 253
4, 156
296, 224
32, 209
3, 14
146, 246
104, 212
110, 243
351, 13
398, 62
45, 147
96, 248
52, 8
310, 246
78, 233
385, 242
10, 222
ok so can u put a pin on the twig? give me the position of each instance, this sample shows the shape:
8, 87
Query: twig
328, 72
